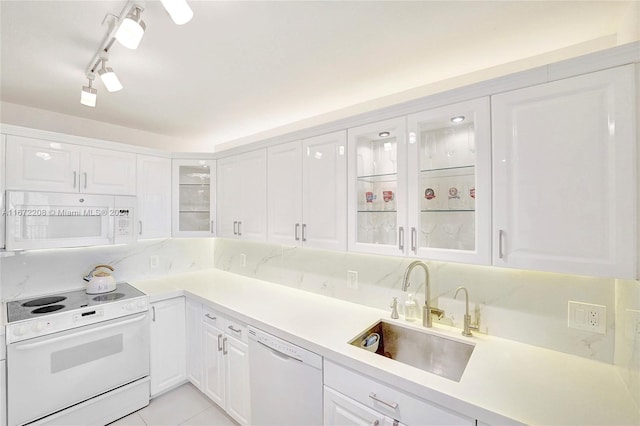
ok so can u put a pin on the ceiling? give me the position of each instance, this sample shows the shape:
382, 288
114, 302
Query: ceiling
244, 68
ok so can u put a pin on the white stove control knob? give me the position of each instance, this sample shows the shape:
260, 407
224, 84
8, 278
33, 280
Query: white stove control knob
142, 303
38, 326
19, 330
129, 306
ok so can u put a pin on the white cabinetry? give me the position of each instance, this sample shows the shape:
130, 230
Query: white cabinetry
450, 183
168, 345
3, 390
40, 165
154, 196
226, 364
2, 207
242, 196
564, 183
194, 338
194, 201
372, 398
306, 192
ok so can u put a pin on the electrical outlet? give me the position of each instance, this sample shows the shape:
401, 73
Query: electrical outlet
243, 260
588, 317
154, 262
352, 279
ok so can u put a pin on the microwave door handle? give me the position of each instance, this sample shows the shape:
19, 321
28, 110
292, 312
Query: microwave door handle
26, 346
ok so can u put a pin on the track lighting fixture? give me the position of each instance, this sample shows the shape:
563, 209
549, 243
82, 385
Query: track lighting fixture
128, 29
89, 95
131, 29
179, 10
108, 77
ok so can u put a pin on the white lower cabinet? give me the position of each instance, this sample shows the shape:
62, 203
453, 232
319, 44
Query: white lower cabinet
351, 398
168, 345
3, 396
225, 363
194, 342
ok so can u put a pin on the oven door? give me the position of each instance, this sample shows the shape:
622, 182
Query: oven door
50, 373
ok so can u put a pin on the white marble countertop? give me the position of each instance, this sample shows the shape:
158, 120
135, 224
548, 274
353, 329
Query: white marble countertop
504, 382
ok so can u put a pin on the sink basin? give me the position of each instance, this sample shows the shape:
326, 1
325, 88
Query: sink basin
438, 355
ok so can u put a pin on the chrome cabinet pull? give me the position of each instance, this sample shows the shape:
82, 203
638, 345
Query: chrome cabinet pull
210, 317
235, 330
224, 346
393, 405
297, 228
140, 230
304, 232
85, 180
500, 238
375, 423
239, 228
153, 309
219, 342
235, 225
413, 240
75, 176
401, 238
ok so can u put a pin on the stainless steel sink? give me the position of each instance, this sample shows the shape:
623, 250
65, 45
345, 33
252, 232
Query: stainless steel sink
438, 355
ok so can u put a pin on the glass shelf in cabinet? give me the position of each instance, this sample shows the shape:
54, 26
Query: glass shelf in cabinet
195, 184
194, 211
377, 211
447, 210
387, 177
469, 167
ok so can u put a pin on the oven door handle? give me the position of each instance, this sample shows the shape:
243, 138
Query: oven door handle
23, 347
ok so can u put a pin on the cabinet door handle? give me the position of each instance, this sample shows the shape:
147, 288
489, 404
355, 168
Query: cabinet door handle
500, 238
235, 330
297, 228
393, 405
219, 342
224, 346
375, 423
210, 317
212, 227
85, 180
140, 229
401, 238
75, 178
153, 310
239, 228
304, 232
235, 228
413, 240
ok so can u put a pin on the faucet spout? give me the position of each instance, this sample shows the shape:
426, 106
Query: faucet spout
427, 310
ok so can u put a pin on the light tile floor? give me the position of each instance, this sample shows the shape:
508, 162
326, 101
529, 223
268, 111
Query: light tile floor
183, 406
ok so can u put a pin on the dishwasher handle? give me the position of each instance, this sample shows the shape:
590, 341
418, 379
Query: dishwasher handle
278, 353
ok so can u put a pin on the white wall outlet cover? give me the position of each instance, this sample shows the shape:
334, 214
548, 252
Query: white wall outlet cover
587, 316
243, 260
154, 261
352, 279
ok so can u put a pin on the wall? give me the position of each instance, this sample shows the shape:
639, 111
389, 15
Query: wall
627, 335
526, 306
37, 272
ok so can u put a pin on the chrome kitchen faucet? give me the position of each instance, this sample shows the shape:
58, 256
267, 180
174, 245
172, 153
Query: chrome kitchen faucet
427, 310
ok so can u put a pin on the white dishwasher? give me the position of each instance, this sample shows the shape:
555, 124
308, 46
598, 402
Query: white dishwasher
285, 381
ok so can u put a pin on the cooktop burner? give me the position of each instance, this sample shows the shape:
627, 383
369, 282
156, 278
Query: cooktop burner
19, 310
43, 301
47, 309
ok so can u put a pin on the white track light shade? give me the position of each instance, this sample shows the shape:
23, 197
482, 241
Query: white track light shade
179, 10
88, 96
110, 79
130, 31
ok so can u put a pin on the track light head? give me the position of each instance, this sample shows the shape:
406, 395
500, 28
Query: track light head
131, 29
108, 76
89, 95
179, 10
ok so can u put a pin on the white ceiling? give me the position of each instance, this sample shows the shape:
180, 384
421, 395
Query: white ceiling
241, 68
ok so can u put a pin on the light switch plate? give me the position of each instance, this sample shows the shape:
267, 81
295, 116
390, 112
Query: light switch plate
154, 262
352, 280
243, 260
587, 316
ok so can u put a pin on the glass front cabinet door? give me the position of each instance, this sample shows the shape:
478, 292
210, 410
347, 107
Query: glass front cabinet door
449, 186
377, 187
193, 198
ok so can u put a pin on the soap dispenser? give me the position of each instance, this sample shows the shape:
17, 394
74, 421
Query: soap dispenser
410, 308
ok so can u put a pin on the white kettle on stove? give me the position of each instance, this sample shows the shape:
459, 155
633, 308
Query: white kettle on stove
99, 280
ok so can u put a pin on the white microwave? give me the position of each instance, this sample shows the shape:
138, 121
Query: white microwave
39, 220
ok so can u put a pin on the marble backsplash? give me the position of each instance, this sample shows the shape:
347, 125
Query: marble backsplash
32, 273
526, 306
627, 349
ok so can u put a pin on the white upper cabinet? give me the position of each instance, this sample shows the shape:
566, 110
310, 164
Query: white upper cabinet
40, 165
377, 181
564, 176
242, 196
154, 196
306, 192
284, 200
193, 198
450, 183
2, 207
